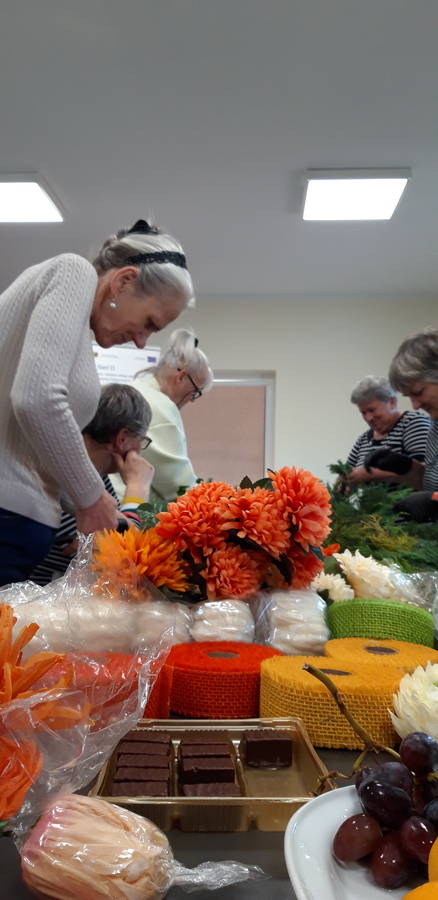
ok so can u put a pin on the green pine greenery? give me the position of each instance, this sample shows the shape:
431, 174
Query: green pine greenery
365, 521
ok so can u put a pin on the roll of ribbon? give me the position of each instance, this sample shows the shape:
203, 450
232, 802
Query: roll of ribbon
217, 679
380, 619
286, 689
395, 654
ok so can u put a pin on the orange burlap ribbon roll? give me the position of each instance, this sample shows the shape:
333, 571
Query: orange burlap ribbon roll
286, 689
158, 705
217, 679
393, 654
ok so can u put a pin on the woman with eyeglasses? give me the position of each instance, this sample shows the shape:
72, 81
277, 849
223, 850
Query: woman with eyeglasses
113, 440
182, 376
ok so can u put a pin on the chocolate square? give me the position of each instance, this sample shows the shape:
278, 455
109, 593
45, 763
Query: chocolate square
146, 734
215, 750
197, 770
140, 789
143, 760
266, 747
127, 773
148, 749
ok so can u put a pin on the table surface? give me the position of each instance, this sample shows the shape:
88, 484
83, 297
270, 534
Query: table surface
264, 849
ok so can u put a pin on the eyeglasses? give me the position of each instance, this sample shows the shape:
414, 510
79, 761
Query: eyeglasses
145, 442
197, 392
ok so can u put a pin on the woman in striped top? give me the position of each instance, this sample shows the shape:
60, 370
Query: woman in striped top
414, 372
399, 432
113, 440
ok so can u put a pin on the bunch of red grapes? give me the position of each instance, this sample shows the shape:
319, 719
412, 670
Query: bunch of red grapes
399, 822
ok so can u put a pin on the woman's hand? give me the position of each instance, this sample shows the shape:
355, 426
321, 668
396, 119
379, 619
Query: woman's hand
101, 514
136, 473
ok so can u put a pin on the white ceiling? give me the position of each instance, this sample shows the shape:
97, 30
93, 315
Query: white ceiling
206, 113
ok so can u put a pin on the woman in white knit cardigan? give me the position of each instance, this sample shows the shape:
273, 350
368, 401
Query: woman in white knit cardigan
182, 375
137, 285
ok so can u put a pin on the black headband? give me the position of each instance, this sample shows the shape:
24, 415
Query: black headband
160, 256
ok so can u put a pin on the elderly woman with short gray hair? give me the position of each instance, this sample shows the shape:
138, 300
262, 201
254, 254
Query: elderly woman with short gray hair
397, 432
414, 372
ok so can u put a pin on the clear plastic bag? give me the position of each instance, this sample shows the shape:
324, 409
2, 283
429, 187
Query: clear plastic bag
83, 848
223, 620
292, 621
418, 588
113, 649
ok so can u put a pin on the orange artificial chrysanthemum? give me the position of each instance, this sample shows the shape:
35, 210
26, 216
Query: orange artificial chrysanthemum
231, 573
330, 550
123, 560
194, 521
255, 514
20, 765
306, 568
306, 501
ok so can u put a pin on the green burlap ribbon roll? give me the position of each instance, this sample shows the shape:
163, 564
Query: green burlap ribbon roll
380, 619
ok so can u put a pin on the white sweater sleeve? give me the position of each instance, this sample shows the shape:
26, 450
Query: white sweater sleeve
53, 346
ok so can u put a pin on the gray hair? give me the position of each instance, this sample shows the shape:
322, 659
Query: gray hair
120, 406
372, 388
184, 353
416, 360
160, 278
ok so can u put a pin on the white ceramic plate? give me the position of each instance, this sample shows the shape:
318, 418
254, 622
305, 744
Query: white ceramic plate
313, 870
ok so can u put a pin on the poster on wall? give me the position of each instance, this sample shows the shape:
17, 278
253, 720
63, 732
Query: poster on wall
121, 363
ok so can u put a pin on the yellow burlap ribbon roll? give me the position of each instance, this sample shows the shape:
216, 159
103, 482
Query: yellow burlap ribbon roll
392, 654
286, 689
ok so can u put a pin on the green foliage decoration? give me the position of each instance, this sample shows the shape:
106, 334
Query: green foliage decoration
365, 520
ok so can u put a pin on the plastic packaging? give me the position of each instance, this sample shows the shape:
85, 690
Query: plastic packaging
113, 649
292, 621
124, 856
419, 588
223, 620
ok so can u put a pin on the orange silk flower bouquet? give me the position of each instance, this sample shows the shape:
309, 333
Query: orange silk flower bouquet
235, 541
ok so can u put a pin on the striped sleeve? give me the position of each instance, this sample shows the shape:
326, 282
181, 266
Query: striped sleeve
415, 436
357, 451
56, 563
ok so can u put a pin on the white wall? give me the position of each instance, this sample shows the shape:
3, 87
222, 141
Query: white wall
318, 349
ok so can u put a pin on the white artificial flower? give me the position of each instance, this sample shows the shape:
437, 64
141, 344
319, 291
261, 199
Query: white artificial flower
416, 703
368, 577
336, 586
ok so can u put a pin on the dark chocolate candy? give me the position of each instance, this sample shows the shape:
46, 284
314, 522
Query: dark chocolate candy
146, 748
128, 773
215, 750
146, 734
197, 770
266, 747
218, 789
143, 760
140, 789
149, 762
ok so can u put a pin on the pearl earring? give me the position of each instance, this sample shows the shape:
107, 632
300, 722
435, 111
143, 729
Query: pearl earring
113, 303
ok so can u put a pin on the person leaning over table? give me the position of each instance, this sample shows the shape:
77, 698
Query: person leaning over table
137, 285
414, 372
182, 375
400, 432
113, 440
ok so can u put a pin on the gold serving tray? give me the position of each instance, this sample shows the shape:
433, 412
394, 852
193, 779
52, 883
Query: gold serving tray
270, 796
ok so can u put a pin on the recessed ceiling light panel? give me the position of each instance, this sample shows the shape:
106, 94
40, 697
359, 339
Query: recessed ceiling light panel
27, 198
353, 194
